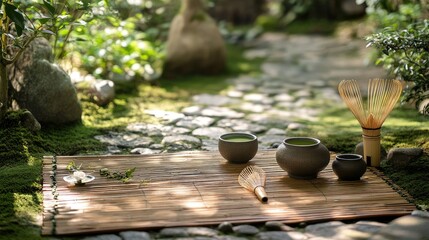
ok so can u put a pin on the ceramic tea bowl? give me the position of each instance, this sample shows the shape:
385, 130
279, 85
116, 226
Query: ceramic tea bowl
302, 157
349, 166
238, 147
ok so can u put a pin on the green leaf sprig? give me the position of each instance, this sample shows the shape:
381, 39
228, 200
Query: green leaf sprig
125, 177
72, 167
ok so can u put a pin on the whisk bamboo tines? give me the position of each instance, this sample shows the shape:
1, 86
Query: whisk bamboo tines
253, 179
382, 97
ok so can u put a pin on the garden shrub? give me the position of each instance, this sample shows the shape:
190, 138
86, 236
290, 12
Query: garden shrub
403, 45
116, 40
406, 55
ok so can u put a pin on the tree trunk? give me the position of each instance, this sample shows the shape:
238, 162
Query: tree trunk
3, 91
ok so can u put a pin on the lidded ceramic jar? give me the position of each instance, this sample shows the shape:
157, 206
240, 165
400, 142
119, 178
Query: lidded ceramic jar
349, 167
302, 157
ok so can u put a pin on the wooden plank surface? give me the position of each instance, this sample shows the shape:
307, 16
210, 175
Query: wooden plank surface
201, 188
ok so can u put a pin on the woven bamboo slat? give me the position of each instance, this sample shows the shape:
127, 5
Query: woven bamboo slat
200, 188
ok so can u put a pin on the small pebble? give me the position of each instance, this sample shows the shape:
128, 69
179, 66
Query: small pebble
245, 229
277, 226
134, 235
420, 213
225, 227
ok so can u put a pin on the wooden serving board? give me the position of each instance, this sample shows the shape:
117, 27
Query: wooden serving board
201, 188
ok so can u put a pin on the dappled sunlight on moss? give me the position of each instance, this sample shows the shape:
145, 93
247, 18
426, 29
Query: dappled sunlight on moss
27, 206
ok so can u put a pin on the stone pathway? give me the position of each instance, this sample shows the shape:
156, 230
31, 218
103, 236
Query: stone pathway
299, 79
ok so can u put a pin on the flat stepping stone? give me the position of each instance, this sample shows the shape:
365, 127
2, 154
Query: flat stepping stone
269, 140
281, 114
143, 151
125, 139
245, 87
257, 98
210, 132
192, 122
284, 97
265, 119
235, 94
192, 110
168, 116
212, 100
181, 141
276, 131
157, 129
222, 112
252, 107
239, 125
209, 144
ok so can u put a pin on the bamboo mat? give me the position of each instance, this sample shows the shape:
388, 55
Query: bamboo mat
201, 188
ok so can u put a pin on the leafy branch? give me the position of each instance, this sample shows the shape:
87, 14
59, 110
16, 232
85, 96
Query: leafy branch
125, 177
72, 167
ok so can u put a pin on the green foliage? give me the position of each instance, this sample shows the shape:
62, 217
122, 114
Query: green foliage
116, 39
116, 50
14, 141
387, 13
71, 167
406, 55
124, 177
124, 41
16, 17
404, 49
282, 13
20, 179
410, 178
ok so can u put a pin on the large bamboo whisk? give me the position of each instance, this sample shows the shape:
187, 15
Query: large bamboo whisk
253, 179
382, 97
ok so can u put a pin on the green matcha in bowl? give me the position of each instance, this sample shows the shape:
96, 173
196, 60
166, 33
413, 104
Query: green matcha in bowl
238, 147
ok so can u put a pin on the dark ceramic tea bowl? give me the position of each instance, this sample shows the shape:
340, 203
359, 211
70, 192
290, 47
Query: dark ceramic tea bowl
238, 147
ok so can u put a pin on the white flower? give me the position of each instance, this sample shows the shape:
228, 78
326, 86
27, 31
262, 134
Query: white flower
79, 176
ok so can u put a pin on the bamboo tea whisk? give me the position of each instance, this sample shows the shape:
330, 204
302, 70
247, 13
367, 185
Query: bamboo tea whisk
253, 179
382, 97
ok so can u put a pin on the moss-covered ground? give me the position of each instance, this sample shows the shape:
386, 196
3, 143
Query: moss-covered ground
21, 151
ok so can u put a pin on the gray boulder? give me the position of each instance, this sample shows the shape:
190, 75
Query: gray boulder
43, 87
30, 122
400, 157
